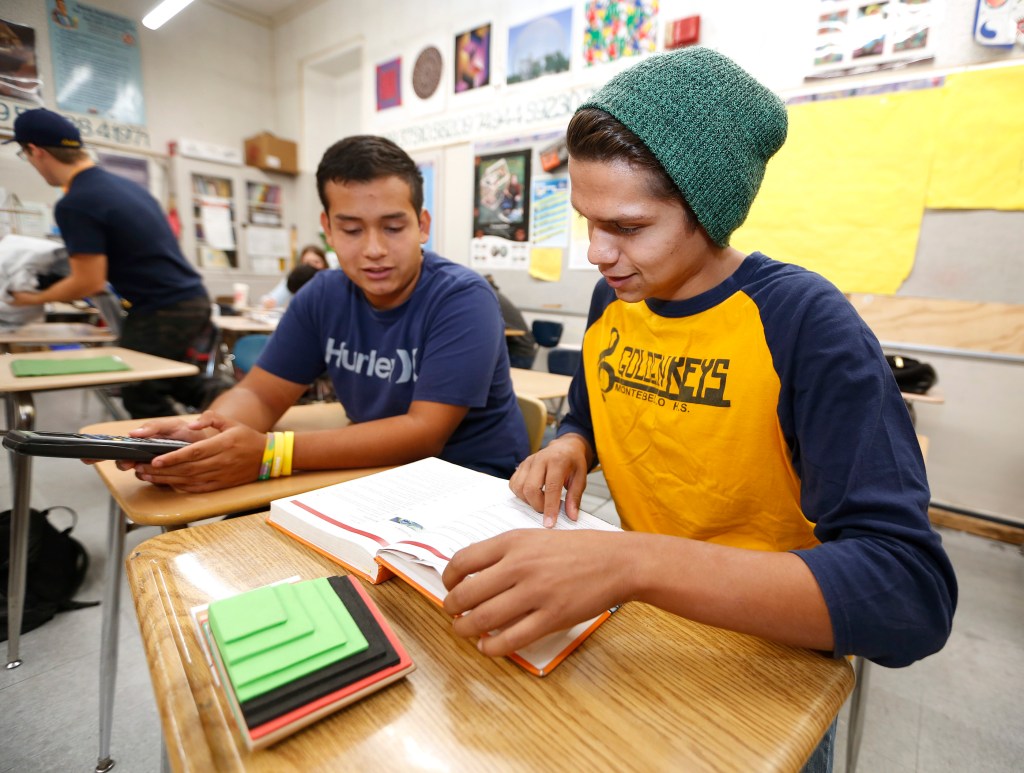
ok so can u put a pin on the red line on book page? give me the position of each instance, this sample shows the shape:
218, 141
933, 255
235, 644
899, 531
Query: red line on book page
379, 540
436, 552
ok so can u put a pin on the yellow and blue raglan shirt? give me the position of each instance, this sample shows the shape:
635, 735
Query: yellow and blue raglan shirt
761, 414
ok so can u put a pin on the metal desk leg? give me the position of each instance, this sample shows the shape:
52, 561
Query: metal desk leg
21, 414
856, 719
108, 642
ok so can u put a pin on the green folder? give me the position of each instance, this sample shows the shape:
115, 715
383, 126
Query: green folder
68, 367
263, 664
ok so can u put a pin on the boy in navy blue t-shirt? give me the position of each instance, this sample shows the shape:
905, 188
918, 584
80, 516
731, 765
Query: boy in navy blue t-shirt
115, 231
413, 343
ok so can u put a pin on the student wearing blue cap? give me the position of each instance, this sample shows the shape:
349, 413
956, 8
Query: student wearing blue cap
751, 433
115, 231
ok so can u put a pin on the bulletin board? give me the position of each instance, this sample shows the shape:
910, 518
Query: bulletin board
916, 189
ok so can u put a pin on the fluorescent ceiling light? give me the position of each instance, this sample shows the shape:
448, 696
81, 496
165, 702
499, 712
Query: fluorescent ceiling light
163, 12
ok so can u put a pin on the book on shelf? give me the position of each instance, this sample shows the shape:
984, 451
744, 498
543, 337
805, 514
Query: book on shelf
410, 520
287, 654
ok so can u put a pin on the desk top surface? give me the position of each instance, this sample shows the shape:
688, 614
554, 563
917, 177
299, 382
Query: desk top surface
57, 333
540, 383
646, 691
161, 506
245, 324
143, 367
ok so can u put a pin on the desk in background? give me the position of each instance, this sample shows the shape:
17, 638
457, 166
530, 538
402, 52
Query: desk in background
20, 409
53, 333
647, 691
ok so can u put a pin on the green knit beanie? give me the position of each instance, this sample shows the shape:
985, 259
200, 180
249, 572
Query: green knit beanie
708, 122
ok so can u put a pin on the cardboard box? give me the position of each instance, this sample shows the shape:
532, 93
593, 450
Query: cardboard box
272, 154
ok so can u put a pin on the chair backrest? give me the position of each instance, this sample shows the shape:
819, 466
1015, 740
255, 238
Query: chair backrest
536, 416
546, 332
564, 361
247, 349
111, 309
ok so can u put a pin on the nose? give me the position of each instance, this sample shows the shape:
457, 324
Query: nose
602, 250
375, 246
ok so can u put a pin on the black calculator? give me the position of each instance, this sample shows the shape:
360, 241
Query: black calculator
74, 445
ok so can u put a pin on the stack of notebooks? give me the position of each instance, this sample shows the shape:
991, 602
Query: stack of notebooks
289, 654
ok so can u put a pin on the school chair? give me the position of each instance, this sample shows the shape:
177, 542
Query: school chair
536, 416
564, 361
247, 350
547, 332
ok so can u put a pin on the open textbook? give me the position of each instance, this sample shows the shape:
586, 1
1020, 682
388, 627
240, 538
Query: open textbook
411, 520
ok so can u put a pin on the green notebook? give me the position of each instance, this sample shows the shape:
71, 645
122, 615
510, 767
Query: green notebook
262, 652
68, 367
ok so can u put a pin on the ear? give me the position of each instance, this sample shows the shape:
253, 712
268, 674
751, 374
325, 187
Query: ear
424, 226
325, 223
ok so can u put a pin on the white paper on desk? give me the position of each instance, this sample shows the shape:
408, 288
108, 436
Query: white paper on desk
215, 214
268, 242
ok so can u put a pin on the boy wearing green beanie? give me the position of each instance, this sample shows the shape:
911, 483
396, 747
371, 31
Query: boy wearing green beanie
751, 433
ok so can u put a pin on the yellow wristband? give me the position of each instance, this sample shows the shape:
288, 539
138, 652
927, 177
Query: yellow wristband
268, 457
289, 448
275, 466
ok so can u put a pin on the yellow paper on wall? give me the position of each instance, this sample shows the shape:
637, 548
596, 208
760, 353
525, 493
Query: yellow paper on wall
845, 195
979, 158
546, 263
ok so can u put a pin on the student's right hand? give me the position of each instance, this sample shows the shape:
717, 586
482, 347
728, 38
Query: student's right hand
223, 453
539, 480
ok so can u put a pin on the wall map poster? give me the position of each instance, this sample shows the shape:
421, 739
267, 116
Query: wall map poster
96, 62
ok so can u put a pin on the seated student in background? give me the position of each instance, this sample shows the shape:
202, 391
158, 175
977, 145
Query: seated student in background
413, 344
750, 430
311, 256
522, 350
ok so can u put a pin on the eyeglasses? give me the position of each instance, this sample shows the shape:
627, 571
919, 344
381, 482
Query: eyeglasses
23, 154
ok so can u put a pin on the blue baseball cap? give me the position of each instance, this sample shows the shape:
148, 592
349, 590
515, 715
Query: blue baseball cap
46, 129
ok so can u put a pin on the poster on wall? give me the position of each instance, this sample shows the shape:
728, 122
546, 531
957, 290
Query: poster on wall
428, 170
96, 62
501, 212
473, 59
551, 212
540, 46
389, 84
19, 75
853, 36
612, 29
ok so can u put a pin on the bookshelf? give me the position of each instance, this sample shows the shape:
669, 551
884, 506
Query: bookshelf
213, 210
236, 222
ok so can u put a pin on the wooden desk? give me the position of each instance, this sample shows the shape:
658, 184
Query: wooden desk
144, 503
540, 384
20, 409
47, 333
647, 691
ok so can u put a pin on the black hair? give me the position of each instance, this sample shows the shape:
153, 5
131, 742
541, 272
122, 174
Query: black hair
365, 157
298, 277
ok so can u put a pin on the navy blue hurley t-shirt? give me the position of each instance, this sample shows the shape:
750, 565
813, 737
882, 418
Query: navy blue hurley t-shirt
105, 214
446, 344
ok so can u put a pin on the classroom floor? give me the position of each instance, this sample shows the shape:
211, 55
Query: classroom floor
956, 712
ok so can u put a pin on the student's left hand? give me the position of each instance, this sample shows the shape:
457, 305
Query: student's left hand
230, 457
528, 583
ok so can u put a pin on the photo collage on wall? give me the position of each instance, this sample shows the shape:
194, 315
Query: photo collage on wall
855, 36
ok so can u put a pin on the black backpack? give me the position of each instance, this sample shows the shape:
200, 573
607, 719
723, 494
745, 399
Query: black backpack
55, 569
